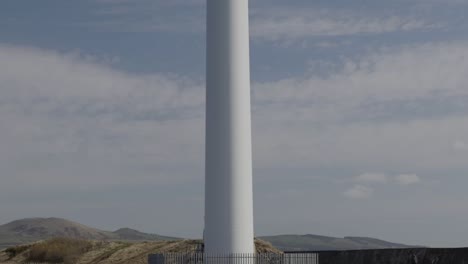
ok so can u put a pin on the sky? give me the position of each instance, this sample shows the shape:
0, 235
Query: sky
360, 116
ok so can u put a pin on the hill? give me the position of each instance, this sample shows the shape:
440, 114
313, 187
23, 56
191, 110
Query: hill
34, 229
132, 234
61, 250
320, 243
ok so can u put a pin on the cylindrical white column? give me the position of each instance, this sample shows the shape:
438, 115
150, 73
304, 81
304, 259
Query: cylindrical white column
228, 179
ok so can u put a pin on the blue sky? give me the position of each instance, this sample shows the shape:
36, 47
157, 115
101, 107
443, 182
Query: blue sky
360, 116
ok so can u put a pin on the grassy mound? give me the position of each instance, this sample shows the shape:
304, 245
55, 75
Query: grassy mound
67, 251
16, 250
58, 250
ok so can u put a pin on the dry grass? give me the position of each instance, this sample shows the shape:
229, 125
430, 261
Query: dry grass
263, 246
67, 251
111, 251
16, 250
59, 250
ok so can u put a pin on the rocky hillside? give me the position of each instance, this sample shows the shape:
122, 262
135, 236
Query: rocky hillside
69, 251
132, 234
316, 243
34, 229
53, 227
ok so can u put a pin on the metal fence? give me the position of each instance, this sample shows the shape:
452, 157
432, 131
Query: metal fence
263, 258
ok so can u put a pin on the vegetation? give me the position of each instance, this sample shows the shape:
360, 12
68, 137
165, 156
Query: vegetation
16, 250
58, 250
30, 230
67, 251
111, 251
262, 246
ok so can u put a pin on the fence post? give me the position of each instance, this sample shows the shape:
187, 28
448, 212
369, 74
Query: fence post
237, 258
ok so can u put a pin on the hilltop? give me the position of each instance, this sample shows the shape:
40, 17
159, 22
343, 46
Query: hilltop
34, 229
321, 243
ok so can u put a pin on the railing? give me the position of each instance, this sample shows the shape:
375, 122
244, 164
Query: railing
262, 258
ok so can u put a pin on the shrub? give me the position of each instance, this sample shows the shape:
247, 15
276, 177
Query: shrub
59, 250
16, 250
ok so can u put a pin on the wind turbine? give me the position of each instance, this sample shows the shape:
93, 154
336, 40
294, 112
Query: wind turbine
228, 161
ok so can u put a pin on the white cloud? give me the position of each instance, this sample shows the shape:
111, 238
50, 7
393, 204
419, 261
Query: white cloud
378, 112
293, 24
460, 145
271, 24
147, 16
62, 106
371, 178
66, 119
407, 179
364, 190
359, 192
409, 73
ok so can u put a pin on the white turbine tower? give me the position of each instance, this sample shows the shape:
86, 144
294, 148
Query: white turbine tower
228, 179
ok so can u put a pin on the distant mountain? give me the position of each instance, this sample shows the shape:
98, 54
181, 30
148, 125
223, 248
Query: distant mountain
131, 234
34, 229
53, 227
321, 243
